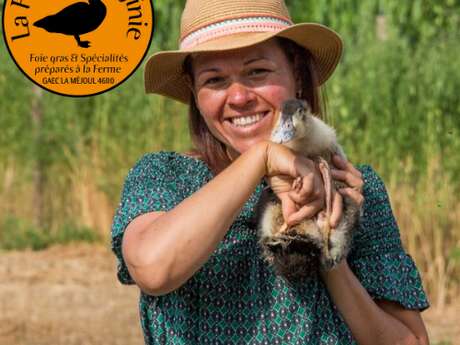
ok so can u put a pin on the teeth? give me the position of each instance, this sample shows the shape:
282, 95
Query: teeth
246, 120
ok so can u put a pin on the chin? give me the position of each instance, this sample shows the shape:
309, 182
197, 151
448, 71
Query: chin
247, 145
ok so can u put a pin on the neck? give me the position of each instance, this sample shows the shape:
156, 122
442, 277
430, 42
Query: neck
231, 153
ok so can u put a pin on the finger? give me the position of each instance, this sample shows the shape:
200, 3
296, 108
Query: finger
288, 207
306, 192
349, 178
280, 183
297, 184
354, 195
344, 164
337, 210
309, 187
305, 212
297, 198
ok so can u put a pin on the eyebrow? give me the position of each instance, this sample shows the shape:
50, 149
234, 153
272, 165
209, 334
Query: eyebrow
254, 60
213, 69
207, 70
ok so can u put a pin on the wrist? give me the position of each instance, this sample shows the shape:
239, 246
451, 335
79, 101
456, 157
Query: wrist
337, 271
260, 151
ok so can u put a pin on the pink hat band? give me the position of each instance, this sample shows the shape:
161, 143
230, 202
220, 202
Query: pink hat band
233, 26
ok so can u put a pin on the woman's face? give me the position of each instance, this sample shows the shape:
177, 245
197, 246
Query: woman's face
239, 91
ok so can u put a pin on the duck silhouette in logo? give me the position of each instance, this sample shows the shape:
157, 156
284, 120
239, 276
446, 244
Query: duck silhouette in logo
75, 20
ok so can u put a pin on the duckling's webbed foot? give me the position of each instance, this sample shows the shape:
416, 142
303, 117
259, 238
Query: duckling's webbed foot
83, 44
340, 238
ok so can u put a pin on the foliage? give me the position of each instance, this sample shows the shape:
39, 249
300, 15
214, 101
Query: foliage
18, 234
393, 100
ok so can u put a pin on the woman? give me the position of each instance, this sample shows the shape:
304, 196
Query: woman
184, 232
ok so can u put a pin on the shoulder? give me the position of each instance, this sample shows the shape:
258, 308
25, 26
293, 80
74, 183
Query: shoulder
193, 154
169, 162
374, 186
378, 229
370, 176
168, 170
376, 199
155, 160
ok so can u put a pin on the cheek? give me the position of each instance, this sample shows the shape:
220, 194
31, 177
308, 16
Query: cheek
209, 105
276, 94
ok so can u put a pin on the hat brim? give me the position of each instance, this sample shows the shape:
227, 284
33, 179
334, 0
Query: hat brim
164, 75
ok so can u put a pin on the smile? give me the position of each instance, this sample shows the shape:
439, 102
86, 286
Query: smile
245, 121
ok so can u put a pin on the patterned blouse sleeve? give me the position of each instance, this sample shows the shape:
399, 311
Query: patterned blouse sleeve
147, 188
377, 256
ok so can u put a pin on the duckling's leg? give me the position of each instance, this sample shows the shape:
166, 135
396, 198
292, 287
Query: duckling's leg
83, 44
325, 218
340, 239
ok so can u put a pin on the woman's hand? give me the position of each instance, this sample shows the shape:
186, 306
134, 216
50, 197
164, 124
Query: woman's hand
283, 166
347, 173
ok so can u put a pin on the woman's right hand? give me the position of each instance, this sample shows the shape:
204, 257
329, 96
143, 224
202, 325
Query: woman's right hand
283, 166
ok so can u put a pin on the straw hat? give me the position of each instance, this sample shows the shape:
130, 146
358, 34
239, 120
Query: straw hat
217, 25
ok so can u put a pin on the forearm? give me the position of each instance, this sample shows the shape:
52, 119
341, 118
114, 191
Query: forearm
175, 245
368, 323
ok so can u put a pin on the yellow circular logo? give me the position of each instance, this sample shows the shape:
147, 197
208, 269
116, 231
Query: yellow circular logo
78, 48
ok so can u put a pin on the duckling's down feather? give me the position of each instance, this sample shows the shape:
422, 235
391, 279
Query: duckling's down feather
300, 251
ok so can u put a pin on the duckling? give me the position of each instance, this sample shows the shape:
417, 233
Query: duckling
75, 20
301, 250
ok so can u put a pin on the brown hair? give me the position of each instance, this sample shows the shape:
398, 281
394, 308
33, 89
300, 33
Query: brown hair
209, 149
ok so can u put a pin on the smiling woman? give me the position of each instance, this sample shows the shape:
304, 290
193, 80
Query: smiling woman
276, 57
239, 93
185, 230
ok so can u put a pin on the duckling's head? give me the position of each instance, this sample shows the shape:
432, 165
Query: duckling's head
293, 121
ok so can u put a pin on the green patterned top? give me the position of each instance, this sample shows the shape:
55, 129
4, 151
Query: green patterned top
236, 298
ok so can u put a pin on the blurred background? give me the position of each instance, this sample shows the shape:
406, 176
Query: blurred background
394, 100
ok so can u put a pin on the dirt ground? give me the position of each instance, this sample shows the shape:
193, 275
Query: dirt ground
69, 295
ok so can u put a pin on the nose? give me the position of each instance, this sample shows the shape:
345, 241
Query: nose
239, 95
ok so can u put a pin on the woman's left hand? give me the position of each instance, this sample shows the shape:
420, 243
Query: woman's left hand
345, 171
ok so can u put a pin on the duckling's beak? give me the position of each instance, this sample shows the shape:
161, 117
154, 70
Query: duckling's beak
284, 130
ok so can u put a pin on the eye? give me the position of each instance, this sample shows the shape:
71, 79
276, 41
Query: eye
258, 72
213, 81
